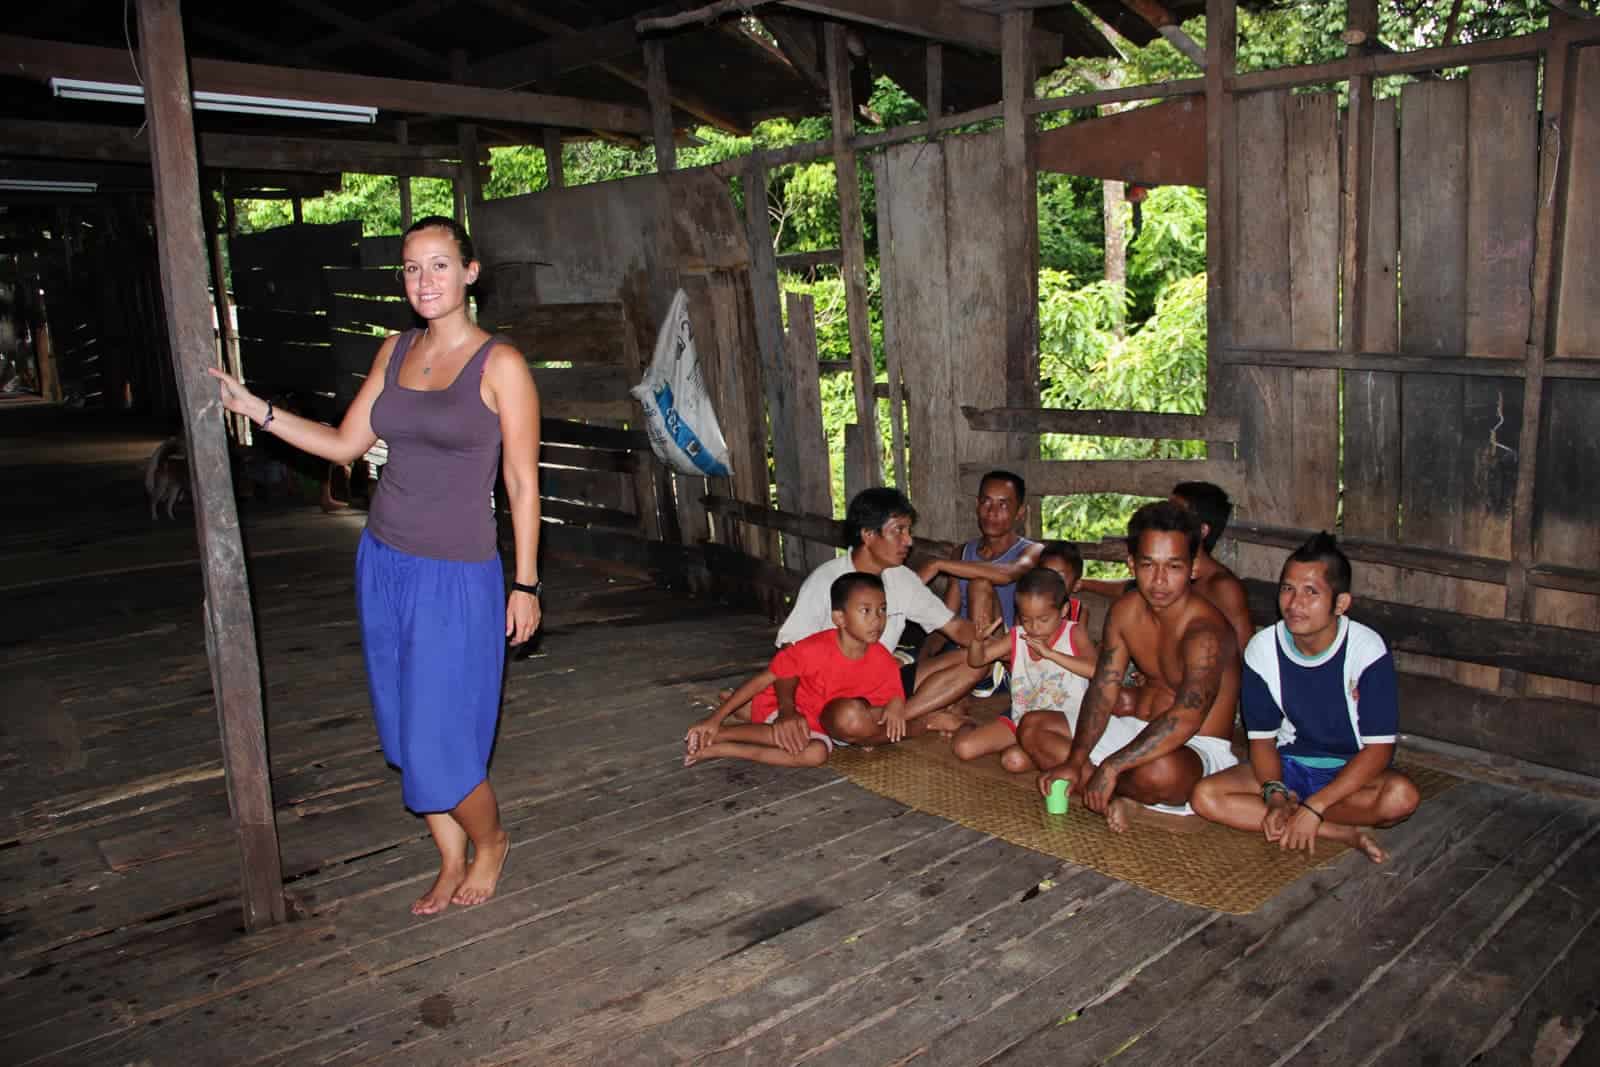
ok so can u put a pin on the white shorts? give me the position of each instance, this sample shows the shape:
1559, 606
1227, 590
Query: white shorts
1215, 753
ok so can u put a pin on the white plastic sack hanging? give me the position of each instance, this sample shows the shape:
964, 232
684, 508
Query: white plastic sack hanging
677, 409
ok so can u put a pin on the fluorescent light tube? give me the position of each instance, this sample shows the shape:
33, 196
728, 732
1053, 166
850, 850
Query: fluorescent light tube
120, 93
31, 185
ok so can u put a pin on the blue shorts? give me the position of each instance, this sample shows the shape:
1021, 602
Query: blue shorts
433, 632
1303, 779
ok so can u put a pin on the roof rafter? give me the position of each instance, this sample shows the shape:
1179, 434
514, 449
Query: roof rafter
939, 20
370, 32
576, 48
27, 58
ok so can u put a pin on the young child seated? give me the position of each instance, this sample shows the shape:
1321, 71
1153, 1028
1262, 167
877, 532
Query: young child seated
1064, 558
843, 671
1318, 698
1051, 660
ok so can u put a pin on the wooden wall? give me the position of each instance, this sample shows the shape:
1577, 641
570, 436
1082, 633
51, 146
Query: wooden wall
940, 216
1428, 414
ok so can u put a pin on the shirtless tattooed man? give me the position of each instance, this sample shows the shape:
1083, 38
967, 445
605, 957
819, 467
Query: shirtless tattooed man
1189, 657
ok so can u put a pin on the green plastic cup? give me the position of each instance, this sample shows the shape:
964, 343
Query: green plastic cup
1056, 803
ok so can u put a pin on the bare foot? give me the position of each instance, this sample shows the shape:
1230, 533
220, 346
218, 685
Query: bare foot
699, 755
1119, 813
483, 873
1369, 844
438, 898
946, 721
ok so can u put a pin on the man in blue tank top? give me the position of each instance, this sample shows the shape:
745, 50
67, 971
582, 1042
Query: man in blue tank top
996, 558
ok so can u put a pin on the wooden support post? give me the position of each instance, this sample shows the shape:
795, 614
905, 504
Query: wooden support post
469, 187
857, 474
299, 211
230, 624
1555, 158
776, 377
1221, 147
655, 68
554, 166
1021, 235
935, 79
804, 435
852, 243
402, 136
229, 341
1357, 192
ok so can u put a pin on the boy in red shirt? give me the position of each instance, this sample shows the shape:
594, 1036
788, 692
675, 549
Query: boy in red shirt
810, 681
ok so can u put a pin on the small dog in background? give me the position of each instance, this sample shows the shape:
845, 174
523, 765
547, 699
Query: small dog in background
166, 476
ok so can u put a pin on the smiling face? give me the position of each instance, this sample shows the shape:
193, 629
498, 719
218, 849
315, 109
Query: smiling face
998, 508
1308, 605
435, 276
891, 544
864, 615
1038, 615
1161, 567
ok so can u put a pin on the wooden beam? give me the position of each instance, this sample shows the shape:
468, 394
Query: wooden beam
937, 20
1357, 191
700, 16
852, 243
798, 41
804, 261
934, 79
1138, 477
1581, 369
369, 31
1147, 425
230, 623
1164, 144
23, 57
655, 65
1021, 228
1525, 46
222, 151
770, 348
1221, 151
554, 165
392, 17
606, 48
1361, 550
1162, 21
1555, 166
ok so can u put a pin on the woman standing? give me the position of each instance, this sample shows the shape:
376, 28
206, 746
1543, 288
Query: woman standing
448, 400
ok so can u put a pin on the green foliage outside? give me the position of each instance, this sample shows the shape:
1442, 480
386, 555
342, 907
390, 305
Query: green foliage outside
1157, 364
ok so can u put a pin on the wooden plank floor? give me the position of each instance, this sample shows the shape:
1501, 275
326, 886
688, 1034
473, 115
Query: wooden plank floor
649, 914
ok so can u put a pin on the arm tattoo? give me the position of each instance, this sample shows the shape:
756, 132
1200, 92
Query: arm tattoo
1144, 746
1099, 701
1202, 678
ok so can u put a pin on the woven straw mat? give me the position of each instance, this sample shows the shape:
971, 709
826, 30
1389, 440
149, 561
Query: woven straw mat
1201, 863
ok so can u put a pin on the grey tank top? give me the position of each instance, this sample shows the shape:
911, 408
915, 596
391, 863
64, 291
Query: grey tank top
444, 446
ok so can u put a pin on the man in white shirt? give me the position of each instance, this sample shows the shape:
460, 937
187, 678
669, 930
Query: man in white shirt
878, 524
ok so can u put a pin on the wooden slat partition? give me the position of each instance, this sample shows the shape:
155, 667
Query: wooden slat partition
1140, 477
1148, 425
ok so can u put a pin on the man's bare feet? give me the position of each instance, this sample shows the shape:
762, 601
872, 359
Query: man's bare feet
1369, 844
1119, 813
483, 873
437, 899
946, 721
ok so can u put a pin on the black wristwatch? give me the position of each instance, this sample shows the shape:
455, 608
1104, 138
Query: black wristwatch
536, 589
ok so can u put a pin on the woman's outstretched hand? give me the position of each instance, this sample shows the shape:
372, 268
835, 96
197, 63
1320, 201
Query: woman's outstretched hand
236, 398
